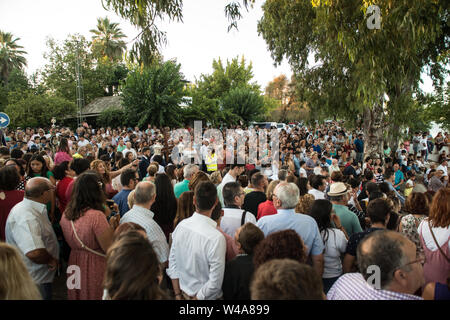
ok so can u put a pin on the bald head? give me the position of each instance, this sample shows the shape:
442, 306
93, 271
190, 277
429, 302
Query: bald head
144, 193
36, 187
386, 249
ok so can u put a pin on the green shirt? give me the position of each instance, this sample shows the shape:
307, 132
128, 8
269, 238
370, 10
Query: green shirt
121, 148
181, 187
349, 220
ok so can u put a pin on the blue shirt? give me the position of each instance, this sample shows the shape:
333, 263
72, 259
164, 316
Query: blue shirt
121, 199
398, 177
359, 144
317, 149
399, 196
304, 225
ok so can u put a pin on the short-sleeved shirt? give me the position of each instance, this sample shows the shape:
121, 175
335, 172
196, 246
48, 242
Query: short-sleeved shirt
121, 199
181, 187
356, 238
398, 177
349, 220
359, 145
304, 225
28, 228
155, 235
335, 246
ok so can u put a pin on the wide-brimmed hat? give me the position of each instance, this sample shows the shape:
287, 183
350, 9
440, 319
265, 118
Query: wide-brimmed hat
337, 189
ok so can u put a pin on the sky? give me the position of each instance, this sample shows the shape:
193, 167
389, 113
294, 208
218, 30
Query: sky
194, 43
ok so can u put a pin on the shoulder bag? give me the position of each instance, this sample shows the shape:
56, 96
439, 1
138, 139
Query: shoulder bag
83, 245
435, 241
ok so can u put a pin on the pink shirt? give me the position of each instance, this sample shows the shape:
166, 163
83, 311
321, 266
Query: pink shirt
62, 156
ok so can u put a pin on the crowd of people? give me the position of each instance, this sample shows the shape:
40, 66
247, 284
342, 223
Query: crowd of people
313, 219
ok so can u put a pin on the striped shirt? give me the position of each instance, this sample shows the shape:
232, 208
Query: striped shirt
352, 286
155, 235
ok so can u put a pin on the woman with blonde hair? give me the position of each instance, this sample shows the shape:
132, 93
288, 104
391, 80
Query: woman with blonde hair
196, 179
15, 281
152, 170
305, 203
216, 177
434, 234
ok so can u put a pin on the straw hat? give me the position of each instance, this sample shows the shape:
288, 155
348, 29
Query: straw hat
337, 189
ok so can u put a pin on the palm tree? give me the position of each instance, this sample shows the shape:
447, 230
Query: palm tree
107, 40
10, 55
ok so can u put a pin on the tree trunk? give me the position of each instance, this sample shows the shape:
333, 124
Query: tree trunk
373, 131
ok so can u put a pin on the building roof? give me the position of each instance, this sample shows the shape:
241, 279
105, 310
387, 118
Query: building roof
94, 108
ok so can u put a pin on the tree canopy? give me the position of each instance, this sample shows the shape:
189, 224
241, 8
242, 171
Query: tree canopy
356, 67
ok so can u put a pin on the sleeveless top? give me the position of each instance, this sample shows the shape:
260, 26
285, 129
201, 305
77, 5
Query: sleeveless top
436, 267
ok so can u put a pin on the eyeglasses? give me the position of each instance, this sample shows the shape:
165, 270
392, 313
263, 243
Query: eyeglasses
422, 261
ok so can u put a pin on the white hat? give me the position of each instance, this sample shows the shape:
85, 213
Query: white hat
337, 189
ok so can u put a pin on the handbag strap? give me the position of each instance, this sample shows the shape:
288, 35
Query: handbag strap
434, 238
83, 245
243, 217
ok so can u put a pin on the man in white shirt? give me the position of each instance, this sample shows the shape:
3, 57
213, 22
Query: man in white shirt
29, 229
231, 176
129, 149
318, 187
144, 197
82, 142
444, 167
197, 255
233, 216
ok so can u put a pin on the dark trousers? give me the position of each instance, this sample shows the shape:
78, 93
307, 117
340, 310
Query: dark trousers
46, 291
328, 283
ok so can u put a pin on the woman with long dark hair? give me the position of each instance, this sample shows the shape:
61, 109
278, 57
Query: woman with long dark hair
37, 167
88, 233
63, 152
9, 195
20, 165
334, 239
165, 206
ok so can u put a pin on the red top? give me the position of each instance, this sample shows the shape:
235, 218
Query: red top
266, 208
61, 190
8, 199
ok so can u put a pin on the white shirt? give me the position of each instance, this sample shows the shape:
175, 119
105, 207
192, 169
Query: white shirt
28, 228
423, 144
197, 257
82, 143
231, 220
335, 245
317, 194
228, 178
443, 168
442, 235
155, 235
303, 173
126, 150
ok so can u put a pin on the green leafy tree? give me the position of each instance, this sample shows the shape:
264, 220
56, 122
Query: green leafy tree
59, 75
111, 118
28, 109
357, 66
244, 103
11, 56
107, 41
153, 95
17, 81
209, 92
98, 78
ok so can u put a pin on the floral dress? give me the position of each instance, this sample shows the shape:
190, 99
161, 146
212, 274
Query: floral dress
409, 225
